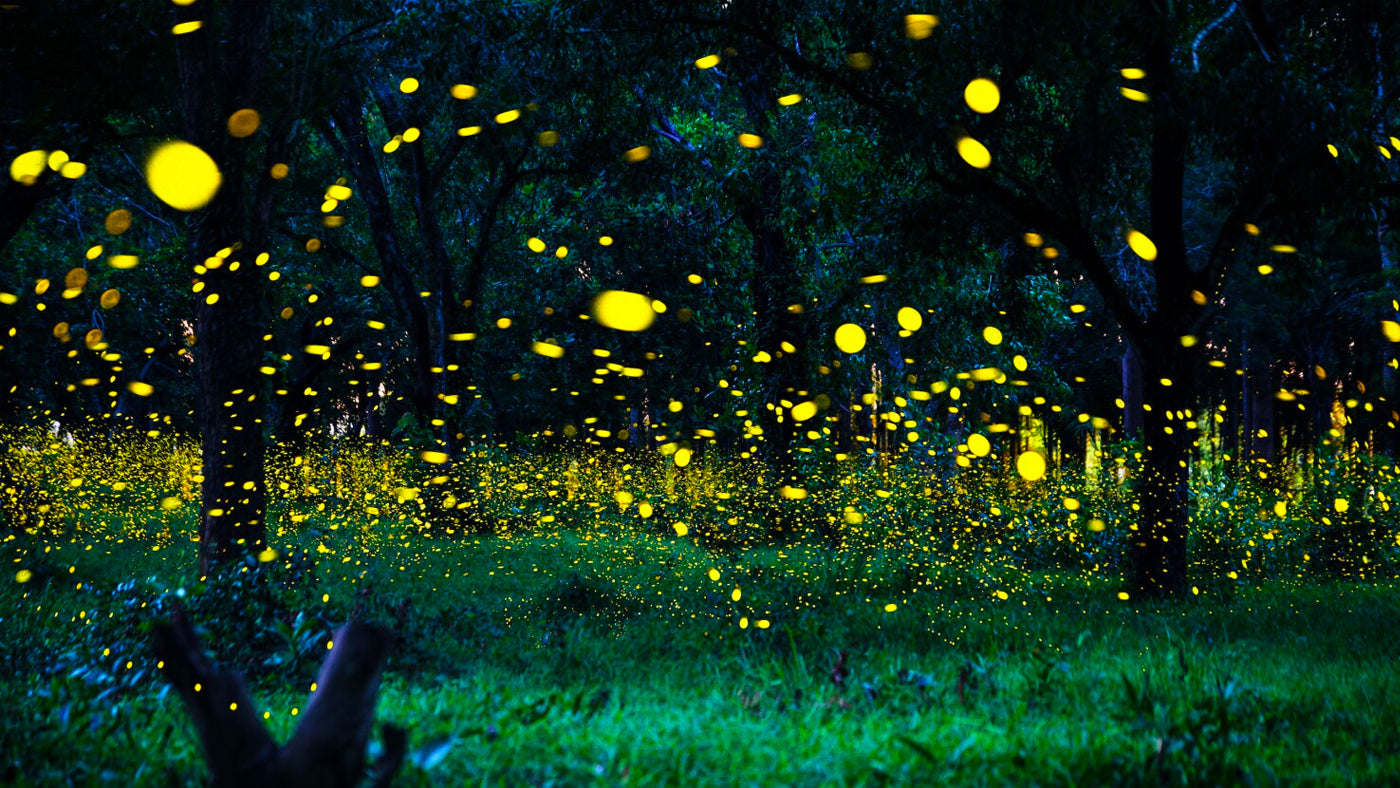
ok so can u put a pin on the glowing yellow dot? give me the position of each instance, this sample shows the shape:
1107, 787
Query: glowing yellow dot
369, 280
681, 529
463, 92
434, 457
140, 389
605, 240
1123, 595
183, 176
412, 134
803, 411
1332, 149
561, 252
682, 457
978, 444
279, 171
1096, 525
547, 349
1031, 465
508, 116
850, 338
186, 27
1133, 73
23, 576
708, 61
919, 26
408, 85
891, 607
27, 167
535, 245
244, 123
503, 323
982, 95
1003, 595
992, 335
468, 131
267, 556
1283, 248
110, 298
1142, 246
639, 153
1019, 362
910, 319
1133, 95
1341, 505
313, 245
548, 138
623, 311
860, 61
117, 222
750, 140
790, 99
73, 169
974, 153
737, 595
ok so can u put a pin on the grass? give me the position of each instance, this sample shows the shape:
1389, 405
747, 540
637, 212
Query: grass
895, 629
571, 659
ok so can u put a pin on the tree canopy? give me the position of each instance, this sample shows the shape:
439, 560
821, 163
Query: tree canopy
1002, 233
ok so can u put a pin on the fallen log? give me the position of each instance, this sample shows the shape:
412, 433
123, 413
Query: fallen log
327, 750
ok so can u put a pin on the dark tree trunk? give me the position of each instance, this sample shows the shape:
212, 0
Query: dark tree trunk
216, 81
1260, 439
328, 748
1132, 393
1158, 546
353, 145
773, 280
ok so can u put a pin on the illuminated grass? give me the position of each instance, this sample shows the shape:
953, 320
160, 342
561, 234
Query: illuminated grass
564, 637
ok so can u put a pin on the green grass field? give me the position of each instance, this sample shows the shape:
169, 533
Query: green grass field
615, 659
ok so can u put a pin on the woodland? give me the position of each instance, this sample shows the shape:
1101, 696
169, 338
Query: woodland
709, 392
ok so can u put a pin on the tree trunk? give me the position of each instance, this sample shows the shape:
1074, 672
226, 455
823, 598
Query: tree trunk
1132, 394
1260, 440
1158, 547
328, 748
216, 81
354, 147
773, 280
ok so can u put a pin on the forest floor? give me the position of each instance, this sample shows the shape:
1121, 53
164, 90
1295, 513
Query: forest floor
572, 659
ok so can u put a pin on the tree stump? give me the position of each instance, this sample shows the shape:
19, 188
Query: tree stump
327, 750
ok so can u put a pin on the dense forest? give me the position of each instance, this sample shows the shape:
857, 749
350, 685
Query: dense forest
547, 342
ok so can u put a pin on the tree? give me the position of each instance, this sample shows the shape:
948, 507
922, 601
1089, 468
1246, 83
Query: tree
1089, 174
